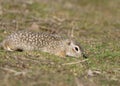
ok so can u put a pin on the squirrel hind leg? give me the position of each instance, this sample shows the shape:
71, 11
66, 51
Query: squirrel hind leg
7, 46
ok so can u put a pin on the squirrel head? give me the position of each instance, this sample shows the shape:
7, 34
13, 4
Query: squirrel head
73, 49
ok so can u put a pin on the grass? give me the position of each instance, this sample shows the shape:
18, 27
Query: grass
96, 26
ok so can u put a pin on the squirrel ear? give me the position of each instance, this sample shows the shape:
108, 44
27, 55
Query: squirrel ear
68, 42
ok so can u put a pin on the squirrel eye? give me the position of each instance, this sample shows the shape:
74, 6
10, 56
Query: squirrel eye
76, 48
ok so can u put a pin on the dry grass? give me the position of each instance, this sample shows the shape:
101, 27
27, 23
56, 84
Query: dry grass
93, 23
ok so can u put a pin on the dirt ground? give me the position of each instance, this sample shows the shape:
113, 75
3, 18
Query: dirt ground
95, 24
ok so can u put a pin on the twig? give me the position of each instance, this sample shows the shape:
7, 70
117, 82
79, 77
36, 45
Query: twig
8, 70
16, 73
72, 63
72, 31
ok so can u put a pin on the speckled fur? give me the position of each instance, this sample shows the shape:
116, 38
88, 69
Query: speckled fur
46, 42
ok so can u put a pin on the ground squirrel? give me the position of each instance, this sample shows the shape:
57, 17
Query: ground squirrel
42, 41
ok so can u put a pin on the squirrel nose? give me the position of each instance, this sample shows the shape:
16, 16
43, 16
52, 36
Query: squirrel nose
84, 56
